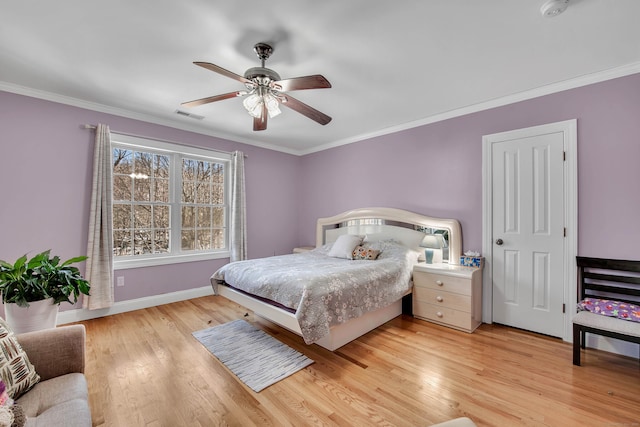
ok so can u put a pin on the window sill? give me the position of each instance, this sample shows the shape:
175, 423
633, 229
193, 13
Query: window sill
166, 260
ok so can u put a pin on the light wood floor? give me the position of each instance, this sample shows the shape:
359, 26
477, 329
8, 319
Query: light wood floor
145, 369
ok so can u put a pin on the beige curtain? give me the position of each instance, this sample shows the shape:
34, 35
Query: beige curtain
238, 221
99, 270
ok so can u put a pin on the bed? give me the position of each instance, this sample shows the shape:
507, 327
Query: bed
326, 298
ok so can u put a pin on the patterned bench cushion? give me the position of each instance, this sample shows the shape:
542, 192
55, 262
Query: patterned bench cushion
611, 308
612, 324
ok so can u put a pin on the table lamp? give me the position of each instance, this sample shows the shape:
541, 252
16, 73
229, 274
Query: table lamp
433, 244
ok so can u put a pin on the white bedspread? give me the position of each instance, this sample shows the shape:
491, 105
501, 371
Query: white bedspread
324, 291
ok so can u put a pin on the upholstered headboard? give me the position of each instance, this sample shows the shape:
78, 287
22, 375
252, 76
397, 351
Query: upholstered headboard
384, 223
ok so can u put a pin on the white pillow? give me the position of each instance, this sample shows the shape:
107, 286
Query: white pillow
344, 245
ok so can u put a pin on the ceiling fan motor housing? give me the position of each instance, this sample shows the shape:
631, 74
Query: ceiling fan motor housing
255, 72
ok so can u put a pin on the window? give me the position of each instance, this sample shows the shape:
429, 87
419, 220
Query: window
169, 202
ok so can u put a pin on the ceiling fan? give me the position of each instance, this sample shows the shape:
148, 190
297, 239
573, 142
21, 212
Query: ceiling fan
266, 91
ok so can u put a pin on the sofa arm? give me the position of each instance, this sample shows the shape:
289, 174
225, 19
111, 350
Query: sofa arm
55, 352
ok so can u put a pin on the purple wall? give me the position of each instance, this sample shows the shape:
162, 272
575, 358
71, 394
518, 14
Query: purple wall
45, 174
436, 169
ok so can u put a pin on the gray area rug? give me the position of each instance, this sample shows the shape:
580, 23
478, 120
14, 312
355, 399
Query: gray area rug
254, 356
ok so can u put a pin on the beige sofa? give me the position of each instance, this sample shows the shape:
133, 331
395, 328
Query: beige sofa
61, 397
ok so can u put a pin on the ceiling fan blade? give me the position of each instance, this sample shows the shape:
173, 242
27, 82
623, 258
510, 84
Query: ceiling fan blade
220, 70
299, 83
305, 110
210, 99
260, 123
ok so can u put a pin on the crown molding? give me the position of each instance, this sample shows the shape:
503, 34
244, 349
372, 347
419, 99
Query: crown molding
101, 108
584, 80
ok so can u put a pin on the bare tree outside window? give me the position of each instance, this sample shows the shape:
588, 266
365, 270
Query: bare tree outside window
141, 222
202, 198
143, 205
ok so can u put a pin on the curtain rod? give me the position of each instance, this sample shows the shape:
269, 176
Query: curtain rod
94, 127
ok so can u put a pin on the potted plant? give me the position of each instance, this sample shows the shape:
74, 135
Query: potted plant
32, 289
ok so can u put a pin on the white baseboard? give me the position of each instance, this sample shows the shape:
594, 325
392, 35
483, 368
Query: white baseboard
78, 315
70, 316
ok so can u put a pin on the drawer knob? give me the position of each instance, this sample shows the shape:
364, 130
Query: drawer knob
439, 298
439, 314
439, 282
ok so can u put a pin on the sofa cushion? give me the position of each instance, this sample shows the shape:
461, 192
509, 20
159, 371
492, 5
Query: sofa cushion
60, 401
16, 371
74, 413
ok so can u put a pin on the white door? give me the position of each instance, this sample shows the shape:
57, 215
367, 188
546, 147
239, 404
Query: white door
528, 231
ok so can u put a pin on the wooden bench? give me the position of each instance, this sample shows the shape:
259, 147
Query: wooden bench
606, 279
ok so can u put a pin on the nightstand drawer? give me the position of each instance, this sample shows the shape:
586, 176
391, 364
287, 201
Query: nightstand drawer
458, 285
446, 316
441, 298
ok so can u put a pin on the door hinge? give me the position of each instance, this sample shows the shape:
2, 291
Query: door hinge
564, 156
564, 307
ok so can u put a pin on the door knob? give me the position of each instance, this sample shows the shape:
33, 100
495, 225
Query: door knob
499, 242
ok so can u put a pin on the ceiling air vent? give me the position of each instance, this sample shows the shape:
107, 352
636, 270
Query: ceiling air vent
190, 115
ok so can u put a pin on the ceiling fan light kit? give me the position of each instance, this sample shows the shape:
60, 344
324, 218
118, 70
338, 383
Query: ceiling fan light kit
253, 103
265, 91
554, 8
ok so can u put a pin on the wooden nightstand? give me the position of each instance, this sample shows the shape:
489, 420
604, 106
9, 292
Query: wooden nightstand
302, 249
449, 295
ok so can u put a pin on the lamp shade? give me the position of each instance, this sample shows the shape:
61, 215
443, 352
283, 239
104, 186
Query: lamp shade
433, 241
253, 105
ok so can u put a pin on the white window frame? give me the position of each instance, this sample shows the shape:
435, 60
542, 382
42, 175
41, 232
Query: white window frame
174, 150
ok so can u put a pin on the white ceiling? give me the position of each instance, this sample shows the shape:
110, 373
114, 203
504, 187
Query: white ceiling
392, 64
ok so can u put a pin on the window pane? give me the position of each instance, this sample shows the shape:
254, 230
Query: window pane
188, 170
218, 217
218, 194
188, 240
188, 217
143, 163
161, 190
122, 185
218, 239
204, 239
142, 216
121, 216
203, 193
218, 173
188, 192
142, 243
161, 241
204, 217
160, 217
122, 242
122, 161
142, 189
203, 171
161, 166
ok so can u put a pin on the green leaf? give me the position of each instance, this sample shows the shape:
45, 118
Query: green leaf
20, 262
75, 260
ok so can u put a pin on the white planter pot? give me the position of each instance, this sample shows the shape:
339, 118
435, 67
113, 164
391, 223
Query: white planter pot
39, 315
